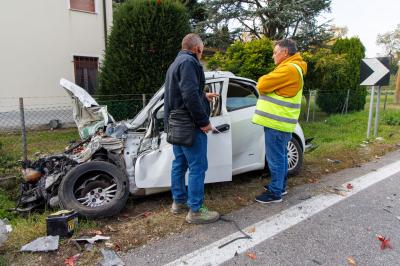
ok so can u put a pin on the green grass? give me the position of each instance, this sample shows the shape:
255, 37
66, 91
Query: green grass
346, 132
38, 142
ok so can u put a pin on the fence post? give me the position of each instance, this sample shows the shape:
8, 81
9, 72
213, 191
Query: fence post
386, 93
23, 131
347, 101
314, 105
309, 104
144, 100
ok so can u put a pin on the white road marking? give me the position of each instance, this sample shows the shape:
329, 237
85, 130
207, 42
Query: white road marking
265, 229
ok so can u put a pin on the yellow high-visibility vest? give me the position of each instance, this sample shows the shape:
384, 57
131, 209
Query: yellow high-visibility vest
278, 112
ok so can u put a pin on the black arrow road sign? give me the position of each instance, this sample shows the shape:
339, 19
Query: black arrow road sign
375, 71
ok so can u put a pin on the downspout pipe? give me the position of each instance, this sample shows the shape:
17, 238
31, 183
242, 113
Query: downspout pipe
105, 22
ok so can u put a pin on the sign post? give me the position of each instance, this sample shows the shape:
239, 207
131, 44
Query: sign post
374, 71
371, 104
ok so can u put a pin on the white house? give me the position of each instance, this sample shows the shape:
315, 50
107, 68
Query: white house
43, 41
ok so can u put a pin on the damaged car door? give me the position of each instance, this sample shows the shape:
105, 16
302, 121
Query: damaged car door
153, 166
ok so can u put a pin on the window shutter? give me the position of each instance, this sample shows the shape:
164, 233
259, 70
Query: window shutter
83, 5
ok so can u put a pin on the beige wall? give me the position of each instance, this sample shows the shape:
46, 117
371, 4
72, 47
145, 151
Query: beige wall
37, 43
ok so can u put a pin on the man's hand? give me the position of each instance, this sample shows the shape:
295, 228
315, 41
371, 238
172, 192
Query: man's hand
206, 128
211, 95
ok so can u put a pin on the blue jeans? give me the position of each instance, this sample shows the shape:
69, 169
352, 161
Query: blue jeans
194, 158
276, 154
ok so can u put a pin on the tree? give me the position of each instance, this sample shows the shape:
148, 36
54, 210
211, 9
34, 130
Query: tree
250, 59
144, 40
390, 41
391, 44
275, 19
340, 72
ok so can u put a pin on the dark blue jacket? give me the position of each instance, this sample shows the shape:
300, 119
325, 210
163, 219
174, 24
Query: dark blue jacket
184, 85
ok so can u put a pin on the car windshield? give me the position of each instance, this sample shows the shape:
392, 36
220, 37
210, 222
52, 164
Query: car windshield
141, 117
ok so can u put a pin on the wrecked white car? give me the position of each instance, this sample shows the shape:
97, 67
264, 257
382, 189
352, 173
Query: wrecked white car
95, 176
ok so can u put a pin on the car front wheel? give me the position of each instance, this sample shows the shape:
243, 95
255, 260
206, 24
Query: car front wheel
295, 157
94, 189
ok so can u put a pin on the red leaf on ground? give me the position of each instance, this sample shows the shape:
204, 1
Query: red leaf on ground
117, 247
385, 242
251, 255
147, 214
349, 186
71, 260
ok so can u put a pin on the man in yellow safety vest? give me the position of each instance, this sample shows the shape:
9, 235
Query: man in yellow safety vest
277, 110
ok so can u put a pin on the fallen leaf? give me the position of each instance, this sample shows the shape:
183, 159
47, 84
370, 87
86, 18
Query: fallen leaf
95, 232
251, 255
117, 247
251, 230
147, 214
385, 242
311, 180
110, 228
240, 198
377, 157
349, 186
109, 245
71, 260
351, 261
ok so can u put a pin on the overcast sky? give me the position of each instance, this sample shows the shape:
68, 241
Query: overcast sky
365, 19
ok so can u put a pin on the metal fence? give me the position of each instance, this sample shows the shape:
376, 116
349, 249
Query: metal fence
29, 125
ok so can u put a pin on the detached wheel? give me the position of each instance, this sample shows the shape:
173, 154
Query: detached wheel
295, 157
94, 189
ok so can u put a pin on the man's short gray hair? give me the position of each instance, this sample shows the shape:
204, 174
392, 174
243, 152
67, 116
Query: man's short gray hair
190, 41
289, 44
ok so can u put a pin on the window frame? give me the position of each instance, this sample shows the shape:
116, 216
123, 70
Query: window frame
95, 3
75, 63
246, 85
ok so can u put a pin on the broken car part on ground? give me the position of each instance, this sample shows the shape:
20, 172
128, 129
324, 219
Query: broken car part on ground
95, 176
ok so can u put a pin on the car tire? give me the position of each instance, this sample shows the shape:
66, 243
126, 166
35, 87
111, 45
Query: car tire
94, 189
295, 157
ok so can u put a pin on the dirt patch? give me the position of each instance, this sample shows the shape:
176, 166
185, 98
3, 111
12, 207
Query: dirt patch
148, 219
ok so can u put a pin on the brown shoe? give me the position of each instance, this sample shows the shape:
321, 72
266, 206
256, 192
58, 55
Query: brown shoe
178, 208
203, 216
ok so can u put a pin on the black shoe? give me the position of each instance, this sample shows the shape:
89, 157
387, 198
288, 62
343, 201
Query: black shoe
283, 193
267, 197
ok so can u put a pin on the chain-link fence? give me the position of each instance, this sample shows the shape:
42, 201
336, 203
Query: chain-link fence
35, 126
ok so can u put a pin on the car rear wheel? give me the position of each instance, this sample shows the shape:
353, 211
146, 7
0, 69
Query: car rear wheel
295, 157
94, 189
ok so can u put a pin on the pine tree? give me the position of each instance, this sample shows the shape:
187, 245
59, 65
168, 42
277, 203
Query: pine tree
145, 39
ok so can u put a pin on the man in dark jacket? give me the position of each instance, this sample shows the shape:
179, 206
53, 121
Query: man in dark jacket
184, 86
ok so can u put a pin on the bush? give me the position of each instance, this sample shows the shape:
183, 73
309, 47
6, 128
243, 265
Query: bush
251, 59
335, 71
144, 40
354, 51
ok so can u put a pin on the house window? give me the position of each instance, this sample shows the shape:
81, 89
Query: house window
83, 5
86, 72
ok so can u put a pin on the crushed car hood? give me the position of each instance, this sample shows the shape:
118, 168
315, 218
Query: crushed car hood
89, 116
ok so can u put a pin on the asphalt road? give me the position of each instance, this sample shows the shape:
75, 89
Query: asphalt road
315, 225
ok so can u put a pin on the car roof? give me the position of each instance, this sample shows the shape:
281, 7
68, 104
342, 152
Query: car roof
224, 74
